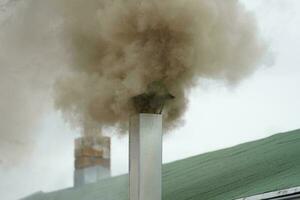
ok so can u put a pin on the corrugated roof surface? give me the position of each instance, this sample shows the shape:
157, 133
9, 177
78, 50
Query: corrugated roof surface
244, 170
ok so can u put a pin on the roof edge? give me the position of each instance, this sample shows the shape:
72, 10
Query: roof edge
274, 194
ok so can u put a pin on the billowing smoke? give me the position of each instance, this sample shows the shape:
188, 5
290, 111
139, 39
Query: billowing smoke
113, 49
120, 46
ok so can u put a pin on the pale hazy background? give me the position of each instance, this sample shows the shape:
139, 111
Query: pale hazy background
266, 103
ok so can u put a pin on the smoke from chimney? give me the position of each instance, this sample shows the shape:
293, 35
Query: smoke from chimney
112, 51
120, 47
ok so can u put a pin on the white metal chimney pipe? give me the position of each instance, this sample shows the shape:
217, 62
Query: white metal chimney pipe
145, 157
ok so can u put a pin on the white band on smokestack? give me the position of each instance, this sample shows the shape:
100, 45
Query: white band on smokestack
145, 157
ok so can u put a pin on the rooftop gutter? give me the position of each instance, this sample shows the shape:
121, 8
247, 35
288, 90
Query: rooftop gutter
285, 194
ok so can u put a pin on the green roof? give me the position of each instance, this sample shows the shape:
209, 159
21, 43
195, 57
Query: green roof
252, 168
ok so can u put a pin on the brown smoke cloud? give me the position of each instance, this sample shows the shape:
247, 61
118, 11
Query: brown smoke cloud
106, 51
120, 46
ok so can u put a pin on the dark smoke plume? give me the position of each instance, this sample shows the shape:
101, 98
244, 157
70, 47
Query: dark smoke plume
104, 52
120, 46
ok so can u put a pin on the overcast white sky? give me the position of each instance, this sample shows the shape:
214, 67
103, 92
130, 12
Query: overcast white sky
266, 103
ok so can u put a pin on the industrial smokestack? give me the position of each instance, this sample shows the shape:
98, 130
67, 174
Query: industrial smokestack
145, 157
92, 159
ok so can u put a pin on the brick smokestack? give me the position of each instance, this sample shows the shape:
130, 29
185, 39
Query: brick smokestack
92, 159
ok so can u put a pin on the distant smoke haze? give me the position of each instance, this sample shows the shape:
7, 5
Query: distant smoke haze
95, 55
30, 60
